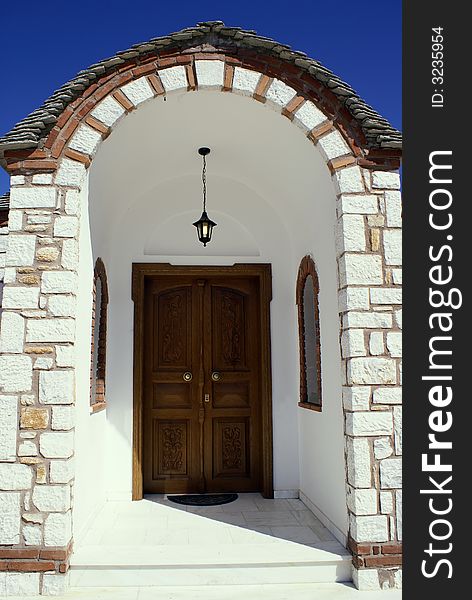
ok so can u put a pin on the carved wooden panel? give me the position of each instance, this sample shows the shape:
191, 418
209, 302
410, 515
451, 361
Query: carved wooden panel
171, 445
229, 329
173, 316
231, 395
230, 447
171, 395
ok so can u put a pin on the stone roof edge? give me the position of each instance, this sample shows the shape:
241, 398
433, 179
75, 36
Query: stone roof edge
33, 129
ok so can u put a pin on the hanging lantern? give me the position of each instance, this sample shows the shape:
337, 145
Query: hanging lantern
204, 224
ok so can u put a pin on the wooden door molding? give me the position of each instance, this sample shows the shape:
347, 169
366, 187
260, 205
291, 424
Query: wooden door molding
140, 271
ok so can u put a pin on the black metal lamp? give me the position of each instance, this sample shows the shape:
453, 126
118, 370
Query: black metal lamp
204, 224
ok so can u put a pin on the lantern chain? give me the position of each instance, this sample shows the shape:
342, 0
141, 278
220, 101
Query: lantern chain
204, 183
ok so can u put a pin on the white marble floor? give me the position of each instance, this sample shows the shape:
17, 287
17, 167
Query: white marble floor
303, 591
157, 521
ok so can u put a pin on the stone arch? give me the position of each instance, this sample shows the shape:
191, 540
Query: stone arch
48, 154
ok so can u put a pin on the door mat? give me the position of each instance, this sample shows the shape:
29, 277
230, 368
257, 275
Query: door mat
203, 499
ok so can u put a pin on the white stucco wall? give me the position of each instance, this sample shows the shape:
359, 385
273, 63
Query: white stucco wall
271, 194
91, 429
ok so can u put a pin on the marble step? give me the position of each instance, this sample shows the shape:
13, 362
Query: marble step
284, 562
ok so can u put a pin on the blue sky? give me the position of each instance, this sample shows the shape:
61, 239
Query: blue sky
45, 44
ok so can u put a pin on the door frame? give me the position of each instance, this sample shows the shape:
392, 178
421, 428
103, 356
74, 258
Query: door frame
263, 272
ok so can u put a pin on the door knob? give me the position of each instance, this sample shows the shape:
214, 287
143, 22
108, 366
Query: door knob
187, 376
216, 376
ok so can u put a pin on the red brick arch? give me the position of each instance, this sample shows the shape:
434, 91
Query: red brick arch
338, 118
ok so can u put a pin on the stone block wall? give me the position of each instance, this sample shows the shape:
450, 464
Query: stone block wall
37, 392
370, 297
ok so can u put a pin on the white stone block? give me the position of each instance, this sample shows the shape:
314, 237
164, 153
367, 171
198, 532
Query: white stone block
391, 473
33, 535
369, 423
397, 429
58, 529
63, 417
15, 476
351, 234
366, 579
359, 464
371, 370
383, 448
9, 275
108, 111
245, 81
393, 209
12, 333
385, 295
43, 362
385, 180
57, 444
353, 343
51, 498
376, 343
16, 372
333, 145
50, 330
394, 343
27, 448
61, 471
70, 254
392, 241
66, 227
9, 518
174, 78
349, 180
8, 427
398, 507
85, 139
62, 305
362, 502
17, 180
42, 178
72, 202
386, 503
59, 282
387, 395
308, 116
359, 269
397, 275
398, 317
20, 297
280, 93
70, 172
210, 73
33, 197
15, 220
356, 398
55, 584
20, 251
65, 356
138, 91
22, 584
353, 298
367, 320
56, 387
358, 204
369, 529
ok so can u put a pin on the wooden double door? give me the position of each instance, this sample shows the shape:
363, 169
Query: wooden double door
202, 383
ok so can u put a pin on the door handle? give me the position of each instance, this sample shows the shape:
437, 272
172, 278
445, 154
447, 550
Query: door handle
216, 376
207, 397
187, 376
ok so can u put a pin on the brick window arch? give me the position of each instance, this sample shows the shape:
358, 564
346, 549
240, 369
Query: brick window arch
99, 336
309, 335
